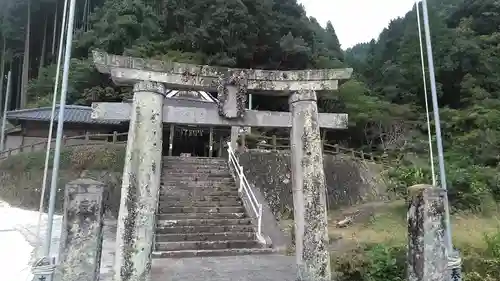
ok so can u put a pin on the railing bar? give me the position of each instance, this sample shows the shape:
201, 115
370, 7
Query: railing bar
251, 191
245, 186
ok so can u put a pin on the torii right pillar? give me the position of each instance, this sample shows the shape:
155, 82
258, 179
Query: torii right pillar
309, 191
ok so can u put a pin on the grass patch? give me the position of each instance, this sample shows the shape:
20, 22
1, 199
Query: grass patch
21, 175
387, 225
374, 247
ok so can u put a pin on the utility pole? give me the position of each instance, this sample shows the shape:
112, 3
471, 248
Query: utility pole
453, 258
60, 123
5, 107
51, 125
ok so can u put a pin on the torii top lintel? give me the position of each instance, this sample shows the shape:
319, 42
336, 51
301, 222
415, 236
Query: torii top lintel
128, 70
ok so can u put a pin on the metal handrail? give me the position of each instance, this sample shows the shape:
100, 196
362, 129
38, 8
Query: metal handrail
246, 189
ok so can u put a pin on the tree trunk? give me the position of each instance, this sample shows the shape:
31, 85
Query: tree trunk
2, 70
44, 43
54, 35
19, 84
26, 61
2, 62
12, 86
85, 15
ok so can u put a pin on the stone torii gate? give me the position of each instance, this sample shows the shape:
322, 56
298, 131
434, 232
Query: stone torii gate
147, 113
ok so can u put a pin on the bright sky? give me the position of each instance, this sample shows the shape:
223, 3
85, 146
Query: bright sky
356, 21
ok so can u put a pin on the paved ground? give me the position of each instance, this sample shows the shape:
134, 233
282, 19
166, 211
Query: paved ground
239, 268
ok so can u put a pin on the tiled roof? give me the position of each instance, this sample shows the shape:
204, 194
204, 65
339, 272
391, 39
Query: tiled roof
72, 114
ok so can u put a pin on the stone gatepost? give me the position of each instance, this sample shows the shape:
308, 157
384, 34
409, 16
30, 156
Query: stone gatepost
141, 183
81, 238
309, 192
427, 259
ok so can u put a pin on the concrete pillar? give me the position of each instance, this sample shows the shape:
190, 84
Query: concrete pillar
235, 133
81, 238
171, 139
427, 259
140, 185
211, 142
309, 192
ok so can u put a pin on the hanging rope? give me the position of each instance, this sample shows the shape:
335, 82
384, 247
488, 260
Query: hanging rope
43, 267
422, 59
454, 262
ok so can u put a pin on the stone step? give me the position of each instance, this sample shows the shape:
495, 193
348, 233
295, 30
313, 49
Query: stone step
189, 192
172, 197
165, 209
198, 182
205, 245
190, 166
203, 229
199, 193
202, 164
182, 164
176, 200
223, 236
196, 204
178, 159
219, 187
182, 188
172, 174
184, 178
212, 253
202, 222
196, 170
201, 216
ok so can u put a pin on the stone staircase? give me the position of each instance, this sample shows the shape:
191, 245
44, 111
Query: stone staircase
200, 212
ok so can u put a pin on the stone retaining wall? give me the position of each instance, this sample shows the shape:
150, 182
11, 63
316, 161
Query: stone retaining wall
349, 181
23, 188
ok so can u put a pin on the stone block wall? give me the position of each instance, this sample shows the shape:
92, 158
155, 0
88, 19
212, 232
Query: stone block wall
349, 181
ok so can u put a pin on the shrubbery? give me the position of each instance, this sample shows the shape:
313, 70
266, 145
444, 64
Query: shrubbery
384, 262
473, 187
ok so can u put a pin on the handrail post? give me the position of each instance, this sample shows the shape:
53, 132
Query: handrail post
241, 177
259, 218
254, 203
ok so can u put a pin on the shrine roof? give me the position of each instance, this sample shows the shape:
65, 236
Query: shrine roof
72, 114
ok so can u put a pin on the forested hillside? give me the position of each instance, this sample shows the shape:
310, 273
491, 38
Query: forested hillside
385, 98
466, 41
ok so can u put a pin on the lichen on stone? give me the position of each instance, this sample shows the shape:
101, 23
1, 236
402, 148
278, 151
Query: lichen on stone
81, 240
426, 247
314, 252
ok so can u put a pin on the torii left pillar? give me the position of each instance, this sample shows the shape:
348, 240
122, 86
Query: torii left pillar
140, 185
